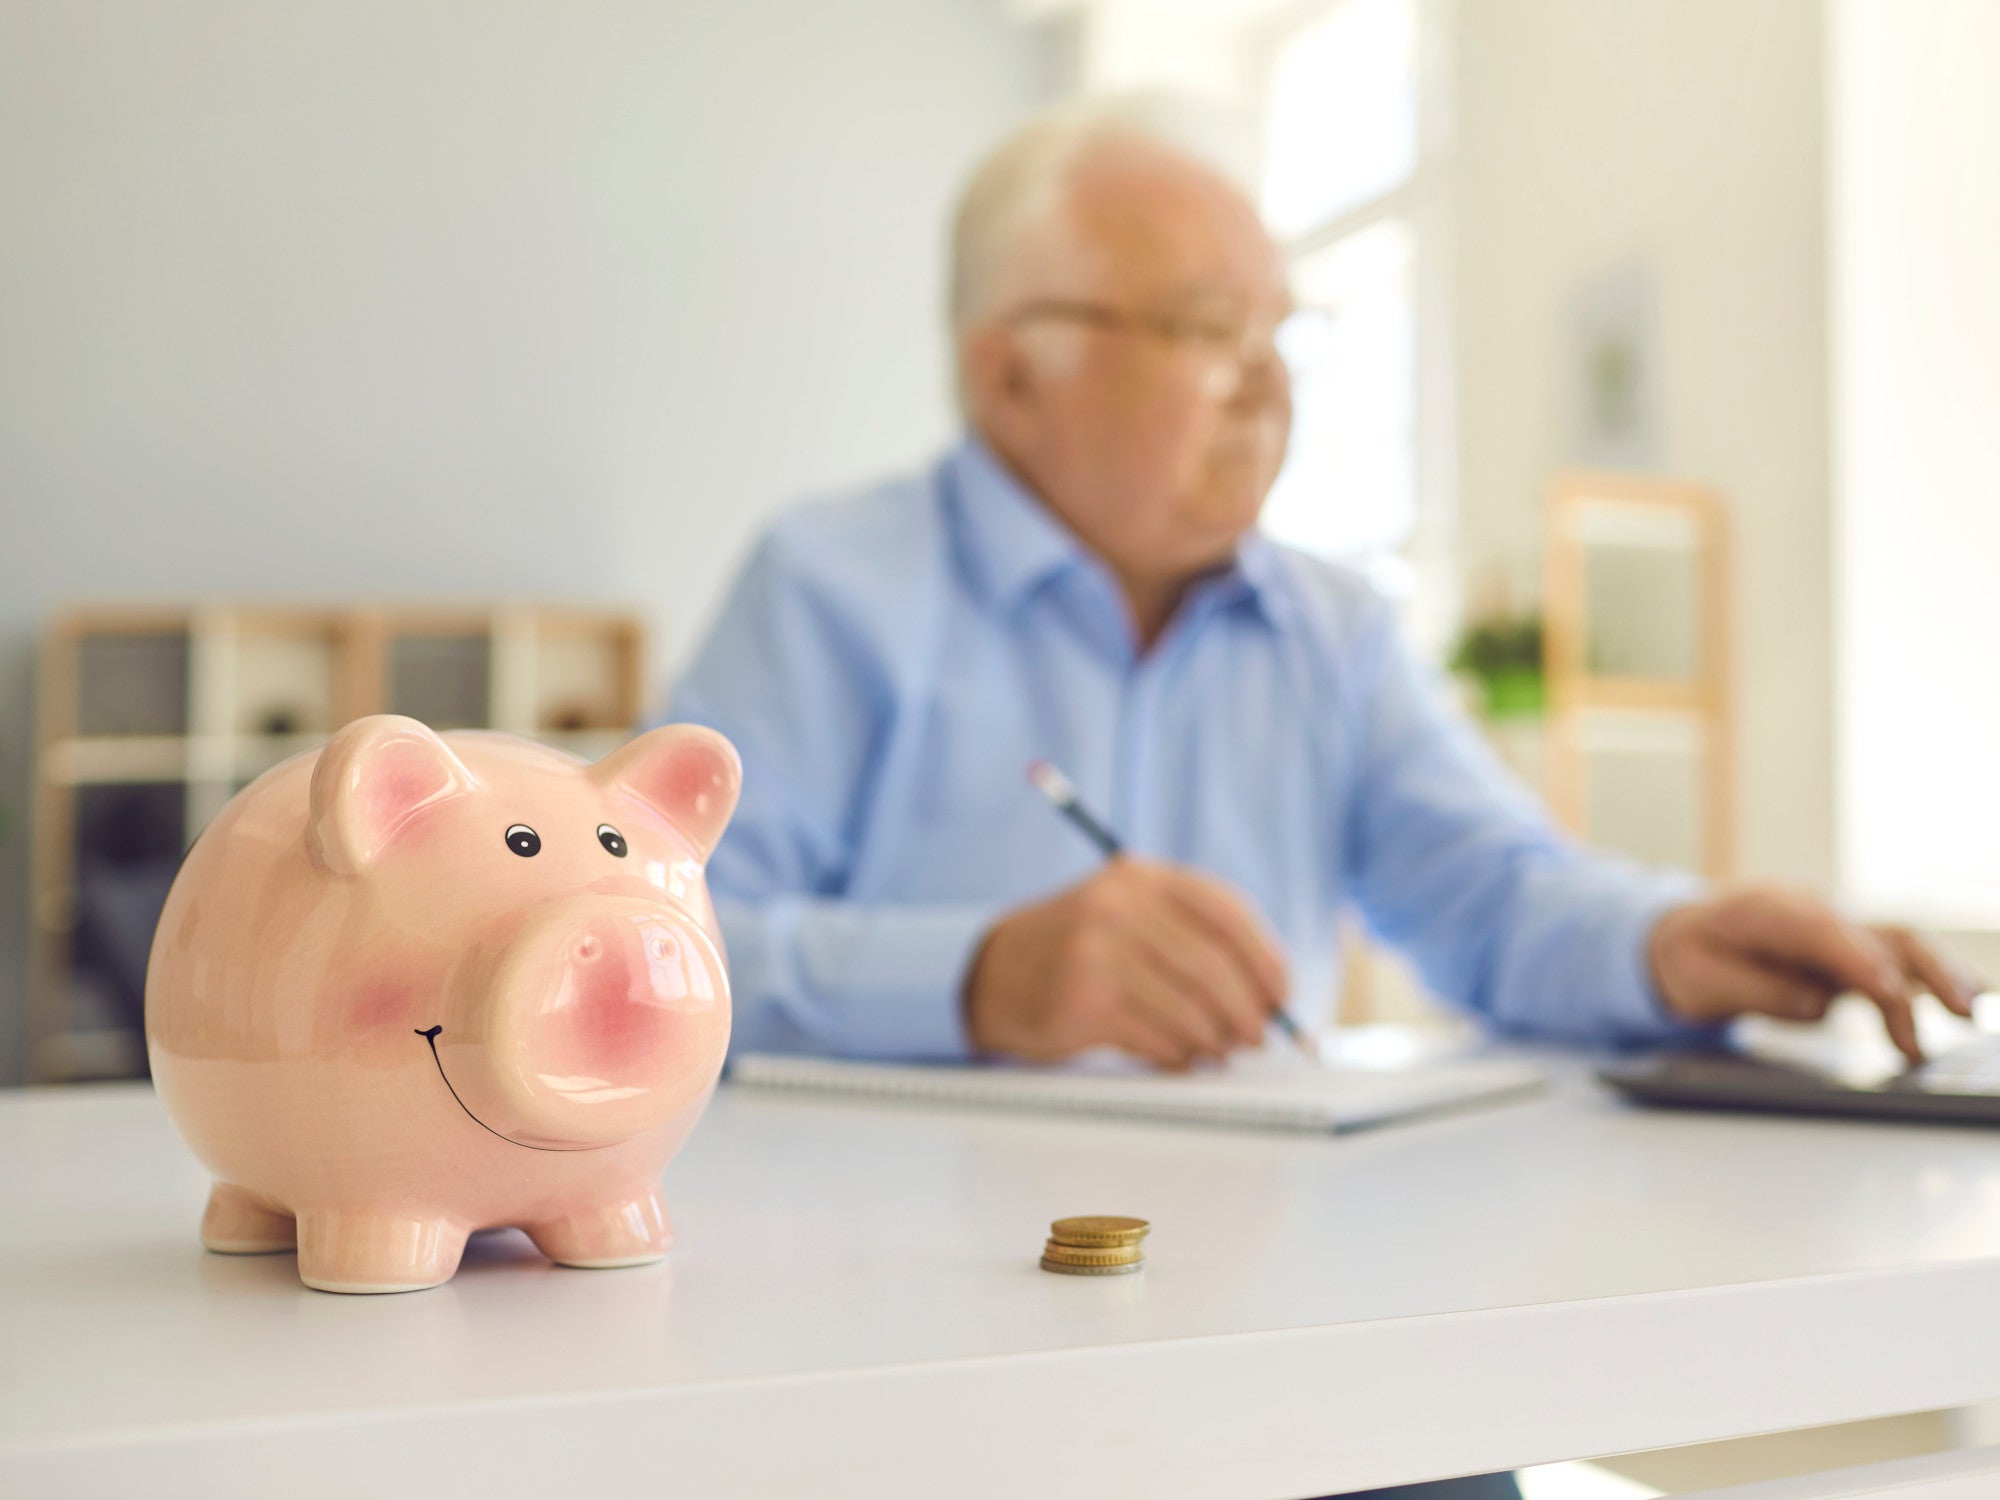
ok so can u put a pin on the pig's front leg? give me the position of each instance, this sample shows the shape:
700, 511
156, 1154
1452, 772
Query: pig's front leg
627, 1232
240, 1222
349, 1250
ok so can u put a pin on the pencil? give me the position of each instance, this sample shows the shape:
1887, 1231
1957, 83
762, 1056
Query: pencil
1061, 794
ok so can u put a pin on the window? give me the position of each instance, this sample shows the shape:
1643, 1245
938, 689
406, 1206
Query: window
1352, 190
1340, 113
1349, 482
1915, 315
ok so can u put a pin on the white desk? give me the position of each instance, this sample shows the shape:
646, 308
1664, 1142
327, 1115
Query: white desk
854, 1309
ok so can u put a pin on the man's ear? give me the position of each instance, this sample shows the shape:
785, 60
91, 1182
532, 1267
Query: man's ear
372, 780
689, 775
995, 373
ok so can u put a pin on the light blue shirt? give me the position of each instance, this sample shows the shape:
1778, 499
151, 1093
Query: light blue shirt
890, 662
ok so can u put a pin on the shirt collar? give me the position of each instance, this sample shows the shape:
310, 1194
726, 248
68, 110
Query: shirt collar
1257, 576
1014, 543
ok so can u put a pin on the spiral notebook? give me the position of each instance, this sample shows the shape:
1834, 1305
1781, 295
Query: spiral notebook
1264, 1090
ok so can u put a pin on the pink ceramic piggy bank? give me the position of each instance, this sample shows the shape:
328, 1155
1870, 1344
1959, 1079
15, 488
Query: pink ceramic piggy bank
417, 985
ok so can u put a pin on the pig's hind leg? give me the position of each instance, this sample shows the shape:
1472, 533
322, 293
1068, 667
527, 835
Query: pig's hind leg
349, 1250
629, 1232
240, 1222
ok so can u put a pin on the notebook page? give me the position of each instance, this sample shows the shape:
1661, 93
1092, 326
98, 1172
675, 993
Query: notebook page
1269, 1089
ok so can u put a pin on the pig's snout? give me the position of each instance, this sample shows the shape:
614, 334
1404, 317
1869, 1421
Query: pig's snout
605, 1018
621, 987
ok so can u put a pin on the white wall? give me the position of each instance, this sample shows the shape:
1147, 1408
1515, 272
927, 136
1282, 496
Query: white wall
459, 297
1915, 296
1684, 135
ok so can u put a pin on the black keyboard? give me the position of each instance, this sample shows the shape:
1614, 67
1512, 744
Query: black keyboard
1961, 1086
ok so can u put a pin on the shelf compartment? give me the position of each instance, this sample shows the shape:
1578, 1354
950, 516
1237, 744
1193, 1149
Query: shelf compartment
132, 682
287, 674
585, 672
441, 679
129, 842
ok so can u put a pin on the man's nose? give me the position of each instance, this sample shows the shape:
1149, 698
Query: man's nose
1261, 375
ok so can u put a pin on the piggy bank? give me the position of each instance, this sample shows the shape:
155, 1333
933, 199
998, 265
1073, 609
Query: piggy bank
415, 985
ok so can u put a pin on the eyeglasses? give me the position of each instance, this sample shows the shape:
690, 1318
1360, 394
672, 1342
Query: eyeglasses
1228, 347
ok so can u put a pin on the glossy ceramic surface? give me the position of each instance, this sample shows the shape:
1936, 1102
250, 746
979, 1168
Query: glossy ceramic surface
416, 985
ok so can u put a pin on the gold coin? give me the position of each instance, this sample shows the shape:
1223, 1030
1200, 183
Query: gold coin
1063, 1269
1102, 1255
1098, 1231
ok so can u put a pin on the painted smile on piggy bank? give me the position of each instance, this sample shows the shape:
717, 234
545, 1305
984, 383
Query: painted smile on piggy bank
431, 1037
543, 924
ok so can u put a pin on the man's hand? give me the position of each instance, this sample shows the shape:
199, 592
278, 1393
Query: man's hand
1154, 959
1785, 954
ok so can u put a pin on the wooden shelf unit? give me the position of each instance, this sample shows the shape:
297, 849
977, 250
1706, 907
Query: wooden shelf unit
1599, 709
214, 694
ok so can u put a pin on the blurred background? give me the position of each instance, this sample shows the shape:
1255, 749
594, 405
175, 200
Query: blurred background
444, 357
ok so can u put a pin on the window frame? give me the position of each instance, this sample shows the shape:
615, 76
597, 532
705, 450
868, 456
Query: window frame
1424, 201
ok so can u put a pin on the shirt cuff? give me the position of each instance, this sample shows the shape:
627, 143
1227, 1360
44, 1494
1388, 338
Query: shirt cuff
889, 981
1636, 1010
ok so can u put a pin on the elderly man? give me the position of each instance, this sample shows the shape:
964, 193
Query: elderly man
1080, 581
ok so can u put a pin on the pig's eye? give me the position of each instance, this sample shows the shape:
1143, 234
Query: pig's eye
612, 840
523, 840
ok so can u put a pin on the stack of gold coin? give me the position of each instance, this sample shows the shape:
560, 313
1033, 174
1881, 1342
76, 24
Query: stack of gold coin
1095, 1247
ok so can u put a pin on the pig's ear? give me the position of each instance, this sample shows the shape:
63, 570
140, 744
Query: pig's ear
687, 774
372, 779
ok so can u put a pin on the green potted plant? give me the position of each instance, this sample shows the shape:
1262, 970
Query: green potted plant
1504, 655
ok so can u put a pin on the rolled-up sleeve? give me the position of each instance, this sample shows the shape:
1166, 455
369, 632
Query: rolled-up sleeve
1453, 860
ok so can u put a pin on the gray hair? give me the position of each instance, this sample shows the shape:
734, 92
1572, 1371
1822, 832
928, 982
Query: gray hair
1015, 198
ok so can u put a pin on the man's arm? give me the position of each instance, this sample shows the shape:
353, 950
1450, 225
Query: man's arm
1454, 861
1518, 924
800, 672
